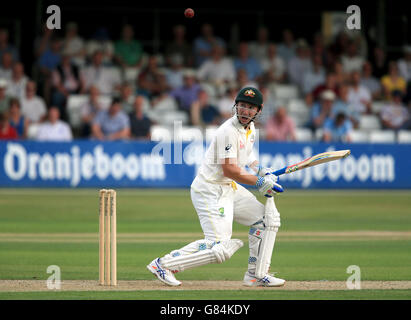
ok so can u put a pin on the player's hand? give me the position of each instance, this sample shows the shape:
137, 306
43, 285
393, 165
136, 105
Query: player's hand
263, 171
267, 185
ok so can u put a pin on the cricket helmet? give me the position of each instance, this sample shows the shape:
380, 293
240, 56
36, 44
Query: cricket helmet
250, 95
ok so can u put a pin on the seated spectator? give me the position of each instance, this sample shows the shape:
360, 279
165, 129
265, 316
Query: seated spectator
89, 110
395, 115
6, 67
225, 104
286, 49
351, 60
33, 106
337, 129
100, 76
127, 98
249, 64
6, 46
65, 80
175, 73
16, 119
404, 64
203, 113
188, 93
17, 85
370, 82
314, 77
179, 46
329, 84
51, 57
218, 70
392, 81
280, 127
343, 105
300, 64
74, 45
4, 98
243, 80
101, 41
140, 124
203, 44
54, 129
128, 52
7, 132
151, 81
259, 48
359, 96
321, 110
270, 106
113, 124
273, 66
340, 74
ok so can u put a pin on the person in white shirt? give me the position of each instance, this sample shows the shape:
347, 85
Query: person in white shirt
218, 70
225, 103
219, 199
351, 60
300, 64
273, 65
17, 85
74, 45
359, 97
104, 78
259, 48
6, 67
314, 77
54, 129
33, 107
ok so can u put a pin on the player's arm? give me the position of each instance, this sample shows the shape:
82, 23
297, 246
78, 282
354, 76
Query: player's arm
232, 171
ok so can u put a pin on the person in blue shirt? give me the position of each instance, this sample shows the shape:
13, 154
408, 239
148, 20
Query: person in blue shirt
203, 44
337, 129
249, 64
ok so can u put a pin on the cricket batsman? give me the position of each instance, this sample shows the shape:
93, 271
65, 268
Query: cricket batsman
219, 199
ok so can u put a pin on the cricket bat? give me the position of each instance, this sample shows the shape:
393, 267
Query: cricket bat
314, 160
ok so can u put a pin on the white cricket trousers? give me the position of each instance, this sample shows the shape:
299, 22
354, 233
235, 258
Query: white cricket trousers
218, 205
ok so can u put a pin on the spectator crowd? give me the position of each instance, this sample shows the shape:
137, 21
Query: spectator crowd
127, 89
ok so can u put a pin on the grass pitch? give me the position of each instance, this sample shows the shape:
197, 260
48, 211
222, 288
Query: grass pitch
322, 233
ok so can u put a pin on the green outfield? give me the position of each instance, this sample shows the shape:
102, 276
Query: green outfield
322, 233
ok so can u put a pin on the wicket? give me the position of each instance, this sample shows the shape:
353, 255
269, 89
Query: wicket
107, 238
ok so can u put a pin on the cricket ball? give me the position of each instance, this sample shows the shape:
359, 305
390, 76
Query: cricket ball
189, 13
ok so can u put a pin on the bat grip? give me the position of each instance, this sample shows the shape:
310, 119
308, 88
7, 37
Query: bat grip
280, 171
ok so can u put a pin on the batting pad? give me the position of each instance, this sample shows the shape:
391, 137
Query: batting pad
218, 253
272, 223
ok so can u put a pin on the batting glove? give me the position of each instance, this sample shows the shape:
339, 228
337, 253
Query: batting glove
267, 185
263, 171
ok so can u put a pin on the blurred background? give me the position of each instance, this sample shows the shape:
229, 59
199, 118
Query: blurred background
120, 70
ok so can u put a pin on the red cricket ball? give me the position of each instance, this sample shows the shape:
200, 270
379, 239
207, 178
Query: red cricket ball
189, 13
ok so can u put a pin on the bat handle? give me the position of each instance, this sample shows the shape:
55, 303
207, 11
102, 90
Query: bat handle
280, 171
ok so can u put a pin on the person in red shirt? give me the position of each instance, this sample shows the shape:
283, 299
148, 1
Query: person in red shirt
280, 127
7, 132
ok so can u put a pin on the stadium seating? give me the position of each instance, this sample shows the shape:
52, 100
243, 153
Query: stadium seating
32, 130
404, 136
285, 91
382, 136
161, 133
298, 111
369, 122
303, 135
359, 136
377, 106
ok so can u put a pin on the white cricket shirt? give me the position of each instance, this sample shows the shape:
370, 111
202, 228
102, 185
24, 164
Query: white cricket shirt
231, 140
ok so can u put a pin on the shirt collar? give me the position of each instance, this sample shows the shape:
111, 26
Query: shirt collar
238, 125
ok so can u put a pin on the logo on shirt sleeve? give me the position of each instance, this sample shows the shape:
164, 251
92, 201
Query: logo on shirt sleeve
228, 147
